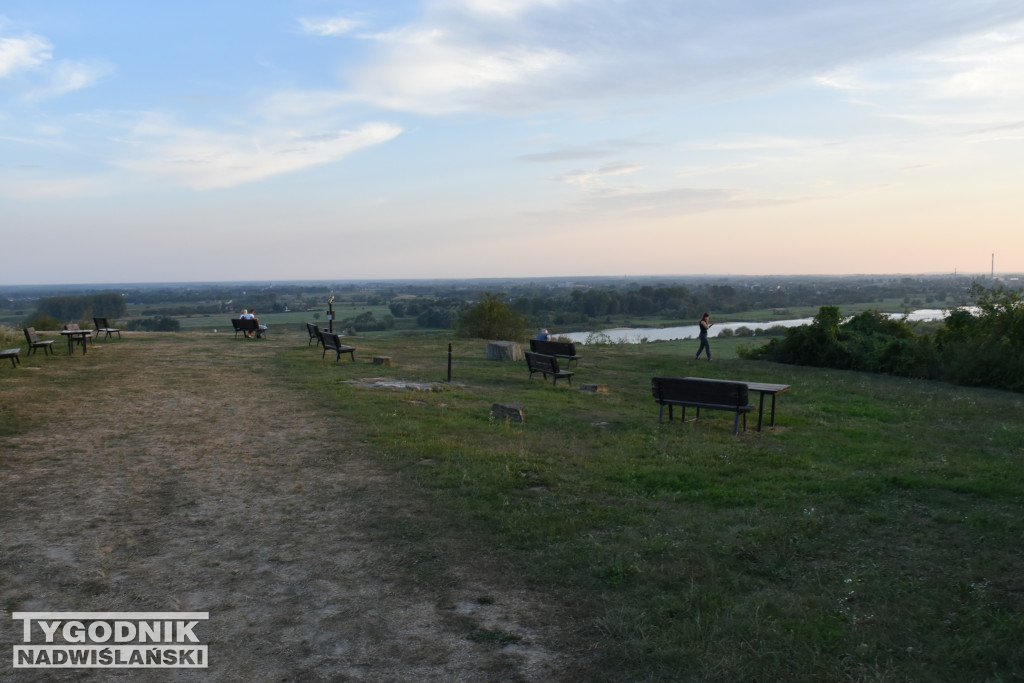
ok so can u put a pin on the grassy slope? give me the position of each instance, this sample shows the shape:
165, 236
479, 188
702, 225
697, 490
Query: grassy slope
875, 534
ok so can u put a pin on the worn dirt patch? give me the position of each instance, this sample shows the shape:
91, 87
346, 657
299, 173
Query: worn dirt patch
188, 477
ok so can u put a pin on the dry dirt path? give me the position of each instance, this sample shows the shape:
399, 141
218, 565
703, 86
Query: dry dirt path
182, 475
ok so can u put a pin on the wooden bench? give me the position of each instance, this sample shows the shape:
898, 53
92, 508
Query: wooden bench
333, 342
558, 349
12, 354
34, 342
248, 325
314, 333
546, 365
102, 326
711, 394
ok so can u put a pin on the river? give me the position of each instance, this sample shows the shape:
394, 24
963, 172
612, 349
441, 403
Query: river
633, 335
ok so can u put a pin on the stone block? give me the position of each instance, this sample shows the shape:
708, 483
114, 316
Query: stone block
513, 412
504, 350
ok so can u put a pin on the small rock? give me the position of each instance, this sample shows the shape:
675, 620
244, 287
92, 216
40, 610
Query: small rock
513, 412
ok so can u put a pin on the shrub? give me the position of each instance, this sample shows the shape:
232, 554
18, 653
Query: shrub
41, 321
492, 319
8, 336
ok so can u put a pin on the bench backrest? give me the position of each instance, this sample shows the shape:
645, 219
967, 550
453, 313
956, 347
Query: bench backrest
330, 340
710, 392
30, 335
539, 362
553, 348
245, 323
100, 323
71, 326
314, 330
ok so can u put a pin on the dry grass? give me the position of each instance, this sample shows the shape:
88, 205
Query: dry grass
181, 472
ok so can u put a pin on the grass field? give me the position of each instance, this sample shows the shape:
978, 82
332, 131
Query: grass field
874, 535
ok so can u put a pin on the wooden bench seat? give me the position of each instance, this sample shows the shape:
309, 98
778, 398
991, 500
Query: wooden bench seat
103, 327
247, 325
333, 342
546, 365
689, 392
12, 354
314, 333
34, 342
558, 349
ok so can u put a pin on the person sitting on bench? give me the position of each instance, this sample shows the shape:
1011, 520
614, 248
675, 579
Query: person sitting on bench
247, 315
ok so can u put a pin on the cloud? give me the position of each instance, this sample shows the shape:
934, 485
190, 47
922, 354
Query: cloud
540, 55
677, 201
594, 175
205, 159
68, 76
26, 52
331, 26
568, 154
504, 8
435, 71
34, 54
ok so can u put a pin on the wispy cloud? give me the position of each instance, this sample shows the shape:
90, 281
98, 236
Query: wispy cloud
540, 55
329, 26
206, 159
436, 71
68, 76
26, 52
588, 177
45, 78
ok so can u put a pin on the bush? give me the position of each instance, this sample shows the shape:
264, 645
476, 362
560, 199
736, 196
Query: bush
41, 321
8, 336
439, 317
492, 319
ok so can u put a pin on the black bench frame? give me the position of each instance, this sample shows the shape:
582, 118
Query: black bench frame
558, 349
248, 325
711, 394
103, 326
333, 342
546, 365
314, 333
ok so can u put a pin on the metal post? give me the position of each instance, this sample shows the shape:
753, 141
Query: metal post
330, 314
449, 362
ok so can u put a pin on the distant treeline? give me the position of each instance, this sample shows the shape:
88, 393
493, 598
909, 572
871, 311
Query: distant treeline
982, 345
551, 307
75, 308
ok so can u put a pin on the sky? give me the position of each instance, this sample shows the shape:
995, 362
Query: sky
307, 140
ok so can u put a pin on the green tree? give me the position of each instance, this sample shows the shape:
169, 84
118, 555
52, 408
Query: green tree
492, 318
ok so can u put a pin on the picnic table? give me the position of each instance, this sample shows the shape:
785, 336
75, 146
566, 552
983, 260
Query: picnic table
74, 334
761, 388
